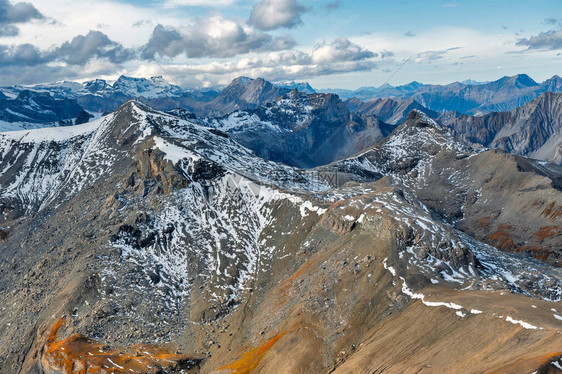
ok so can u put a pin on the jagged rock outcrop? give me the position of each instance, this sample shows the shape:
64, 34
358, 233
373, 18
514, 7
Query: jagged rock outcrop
391, 111
243, 93
533, 130
304, 130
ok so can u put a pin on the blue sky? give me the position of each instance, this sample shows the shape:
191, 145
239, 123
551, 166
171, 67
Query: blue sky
336, 44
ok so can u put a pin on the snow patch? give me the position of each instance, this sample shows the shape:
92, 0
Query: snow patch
307, 206
524, 324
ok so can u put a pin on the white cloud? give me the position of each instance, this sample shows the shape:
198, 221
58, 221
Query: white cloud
340, 50
274, 14
204, 3
79, 17
214, 36
280, 65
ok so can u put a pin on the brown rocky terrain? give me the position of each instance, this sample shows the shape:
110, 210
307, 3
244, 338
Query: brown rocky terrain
505, 200
166, 244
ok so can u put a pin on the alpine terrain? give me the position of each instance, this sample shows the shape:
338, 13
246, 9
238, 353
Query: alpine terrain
279, 233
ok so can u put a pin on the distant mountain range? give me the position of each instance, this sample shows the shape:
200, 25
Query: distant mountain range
504, 94
312, 121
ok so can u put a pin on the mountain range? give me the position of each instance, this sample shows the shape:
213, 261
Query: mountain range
152, 242
533, 130
503, 94
361, 125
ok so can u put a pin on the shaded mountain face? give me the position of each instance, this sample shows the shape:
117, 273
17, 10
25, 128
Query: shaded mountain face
390, 111
35, 109
165, 245
504, 94
303, 130
533, 130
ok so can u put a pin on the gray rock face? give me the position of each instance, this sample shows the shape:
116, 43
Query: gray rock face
390, 111
304, 130
243, 93
533, 130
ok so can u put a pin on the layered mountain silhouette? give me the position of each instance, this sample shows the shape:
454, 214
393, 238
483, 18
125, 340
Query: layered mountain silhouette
331, 132
504, 94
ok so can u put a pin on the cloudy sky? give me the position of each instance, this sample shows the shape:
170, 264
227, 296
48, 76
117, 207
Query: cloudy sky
329, 43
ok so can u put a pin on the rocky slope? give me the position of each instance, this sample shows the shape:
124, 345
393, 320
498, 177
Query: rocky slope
243, 93
143, 242
303, 130
533, 130
507, 201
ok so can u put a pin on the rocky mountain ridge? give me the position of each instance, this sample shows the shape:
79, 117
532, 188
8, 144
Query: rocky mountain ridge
333, 135
145, 228
390, 111
464, 187
303, 130
100, 96
504, 94
533, 130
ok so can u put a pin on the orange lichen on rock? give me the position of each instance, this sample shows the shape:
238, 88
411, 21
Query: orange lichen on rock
530, 365
484, 222
78, 354
552, 211
546, 232
536, 252
250, 360
502, 238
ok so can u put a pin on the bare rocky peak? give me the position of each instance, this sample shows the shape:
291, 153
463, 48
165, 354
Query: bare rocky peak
532, 130
390, 111
303, 130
